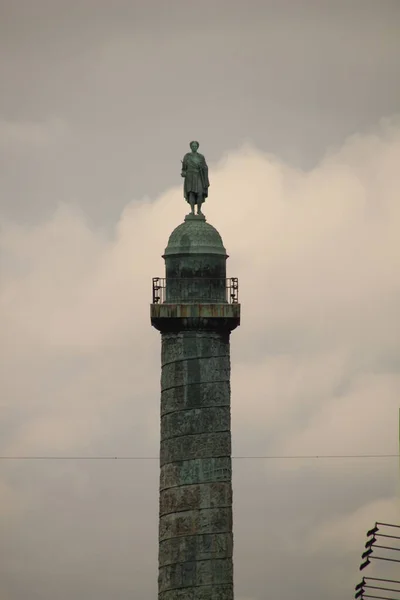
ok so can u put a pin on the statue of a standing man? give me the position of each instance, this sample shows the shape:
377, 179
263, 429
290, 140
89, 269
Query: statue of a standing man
195, 172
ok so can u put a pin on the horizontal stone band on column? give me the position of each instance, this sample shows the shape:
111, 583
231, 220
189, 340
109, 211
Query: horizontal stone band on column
194, 573
212, 592
197, 470
194, 395
184, 372
196, 324
177, 318
181, 346
195, 547
197, 496
195, 420
203, 445
195, 522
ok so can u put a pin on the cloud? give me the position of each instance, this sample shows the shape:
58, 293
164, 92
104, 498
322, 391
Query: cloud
31, 135
315, 363
348, 534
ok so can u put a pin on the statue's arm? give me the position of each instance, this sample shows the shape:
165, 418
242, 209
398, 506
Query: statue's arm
184, 167
205, 171
203, 162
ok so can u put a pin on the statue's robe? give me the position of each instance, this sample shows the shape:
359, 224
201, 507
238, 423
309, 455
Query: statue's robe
195, 171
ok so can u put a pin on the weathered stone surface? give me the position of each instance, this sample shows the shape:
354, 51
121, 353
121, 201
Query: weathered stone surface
195, 547
195, 371
197, 470
198, 496
203, 445
195, 529
212, 520
192, 344
195, 420
195, 573
195, 395
175, 318
214, 592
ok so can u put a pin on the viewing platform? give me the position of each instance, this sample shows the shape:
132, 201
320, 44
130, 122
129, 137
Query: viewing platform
201, 303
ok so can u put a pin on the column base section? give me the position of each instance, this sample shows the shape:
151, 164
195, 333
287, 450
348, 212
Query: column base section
209, 592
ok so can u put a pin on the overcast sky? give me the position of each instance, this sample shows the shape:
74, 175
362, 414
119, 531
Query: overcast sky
296, 106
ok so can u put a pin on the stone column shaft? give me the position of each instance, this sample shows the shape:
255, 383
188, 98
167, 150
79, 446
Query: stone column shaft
195, 534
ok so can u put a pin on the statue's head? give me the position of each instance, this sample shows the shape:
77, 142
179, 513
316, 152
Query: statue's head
194, 146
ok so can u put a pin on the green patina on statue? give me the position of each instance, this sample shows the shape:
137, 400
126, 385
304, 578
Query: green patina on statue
195, 172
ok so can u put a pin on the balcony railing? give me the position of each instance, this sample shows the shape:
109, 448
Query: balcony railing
195, 290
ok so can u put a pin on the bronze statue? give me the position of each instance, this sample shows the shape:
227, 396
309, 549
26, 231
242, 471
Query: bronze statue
195, 172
